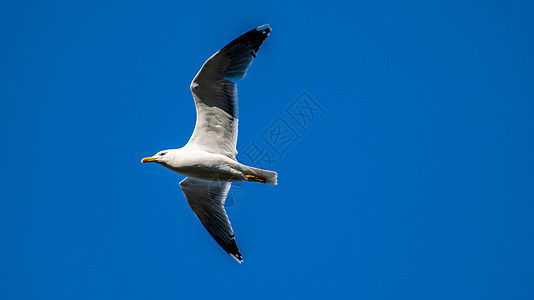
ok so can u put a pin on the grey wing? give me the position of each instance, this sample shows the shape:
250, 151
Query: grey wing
215, 93
206, 199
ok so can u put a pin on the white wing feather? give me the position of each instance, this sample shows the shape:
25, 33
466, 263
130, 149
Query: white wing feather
215, 93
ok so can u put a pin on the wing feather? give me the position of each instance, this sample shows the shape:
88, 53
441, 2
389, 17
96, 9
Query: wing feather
215, 93
206, 199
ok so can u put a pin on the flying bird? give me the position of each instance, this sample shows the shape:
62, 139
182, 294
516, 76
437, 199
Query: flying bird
209, 158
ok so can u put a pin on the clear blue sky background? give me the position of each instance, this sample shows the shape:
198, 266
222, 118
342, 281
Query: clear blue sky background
416, 183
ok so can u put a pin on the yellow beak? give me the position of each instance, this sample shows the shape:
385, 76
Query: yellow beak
148, 159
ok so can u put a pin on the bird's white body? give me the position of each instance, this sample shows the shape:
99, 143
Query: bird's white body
200, 164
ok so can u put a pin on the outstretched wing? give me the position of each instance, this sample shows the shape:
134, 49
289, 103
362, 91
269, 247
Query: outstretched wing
206, 199
215, 92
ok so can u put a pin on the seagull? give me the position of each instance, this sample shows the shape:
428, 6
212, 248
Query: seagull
209, 158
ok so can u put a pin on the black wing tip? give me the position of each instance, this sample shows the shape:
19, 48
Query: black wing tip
258, 35
264, 29
237, 256
255, 36
229, 246
232, 249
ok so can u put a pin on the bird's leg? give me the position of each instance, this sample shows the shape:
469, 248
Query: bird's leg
255, 178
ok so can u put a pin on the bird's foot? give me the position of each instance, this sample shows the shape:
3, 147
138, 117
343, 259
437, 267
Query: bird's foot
255, 178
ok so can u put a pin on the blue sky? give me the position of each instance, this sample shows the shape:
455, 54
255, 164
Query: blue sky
414, 182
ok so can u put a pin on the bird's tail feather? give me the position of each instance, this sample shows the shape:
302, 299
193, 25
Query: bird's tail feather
263, 176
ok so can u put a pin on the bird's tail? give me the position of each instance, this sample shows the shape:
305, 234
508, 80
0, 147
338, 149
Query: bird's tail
263, 176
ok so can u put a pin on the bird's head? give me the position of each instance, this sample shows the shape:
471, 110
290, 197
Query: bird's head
158, 157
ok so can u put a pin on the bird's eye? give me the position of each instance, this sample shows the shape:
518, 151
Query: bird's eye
163, 153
